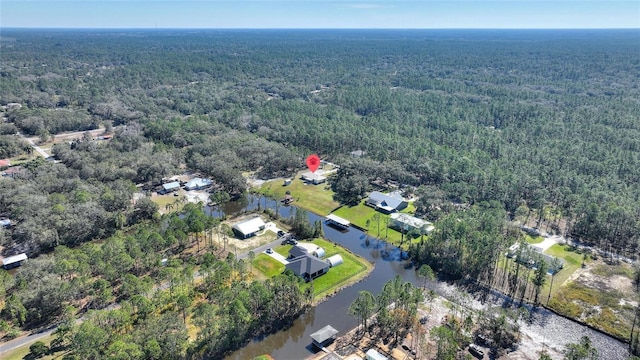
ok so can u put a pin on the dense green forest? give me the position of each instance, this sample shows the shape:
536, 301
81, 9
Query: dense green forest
540, 125
542, 120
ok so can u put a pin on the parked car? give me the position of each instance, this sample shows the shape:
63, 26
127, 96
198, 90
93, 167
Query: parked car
269, 251
476, 351
281, 233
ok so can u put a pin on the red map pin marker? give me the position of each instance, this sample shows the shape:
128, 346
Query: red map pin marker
313, 161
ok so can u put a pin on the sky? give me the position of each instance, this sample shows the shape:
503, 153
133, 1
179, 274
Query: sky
368, 14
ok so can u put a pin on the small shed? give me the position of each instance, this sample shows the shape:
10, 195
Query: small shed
14, 261
335, 260
5, 223
324, 336
318, 252
286, 182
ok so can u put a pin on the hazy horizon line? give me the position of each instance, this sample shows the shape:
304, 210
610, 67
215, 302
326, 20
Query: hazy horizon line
310, 28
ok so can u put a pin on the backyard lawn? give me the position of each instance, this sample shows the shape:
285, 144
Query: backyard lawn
572, 261
315, 198
351, 270
533, 240
267, 266
359, 215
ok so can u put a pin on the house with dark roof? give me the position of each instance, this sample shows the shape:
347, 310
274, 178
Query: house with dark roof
324, 336
386, 203
308, 266
306, 248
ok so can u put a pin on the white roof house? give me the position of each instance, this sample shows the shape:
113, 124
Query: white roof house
172, 186
315, 178
373, 354
406, 222
13, 261
197, 184
248, 228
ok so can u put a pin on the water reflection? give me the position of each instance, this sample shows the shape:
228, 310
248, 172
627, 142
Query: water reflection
389, 261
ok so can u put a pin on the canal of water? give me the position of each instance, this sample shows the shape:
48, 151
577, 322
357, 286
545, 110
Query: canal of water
295, 342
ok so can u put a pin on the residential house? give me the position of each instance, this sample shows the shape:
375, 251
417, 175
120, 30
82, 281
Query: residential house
373, 354
306, 248
170, 187
248, 228
405, 223
314, 178
386, 203
308, 266
197, 184
14, 261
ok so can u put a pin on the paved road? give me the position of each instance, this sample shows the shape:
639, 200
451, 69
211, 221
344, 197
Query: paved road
37, 148
26, 340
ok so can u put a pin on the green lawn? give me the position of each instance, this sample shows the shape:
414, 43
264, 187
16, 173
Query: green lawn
352, 269
283, 250
267, 265
163, 200
359, 215
315, 198
572, 261
533, 240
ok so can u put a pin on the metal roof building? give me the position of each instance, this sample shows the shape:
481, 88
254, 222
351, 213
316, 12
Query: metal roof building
13, 261
248, 228
324, 336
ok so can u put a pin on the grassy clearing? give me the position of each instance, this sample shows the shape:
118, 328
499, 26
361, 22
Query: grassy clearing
361, 213
589, 302
267, 265
178, 202
533, 240
351, 270
572, 261
607, 270
598, 308
315, 198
